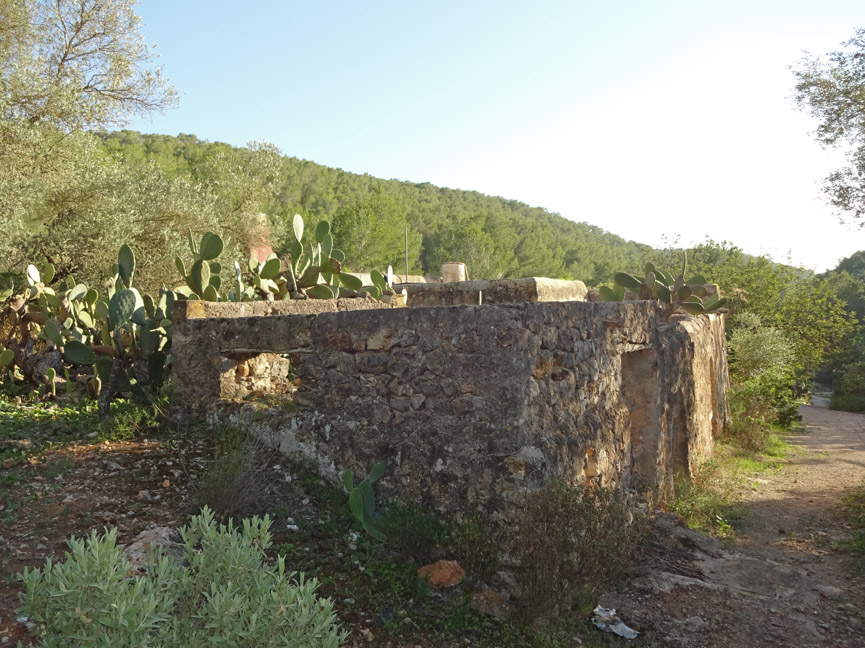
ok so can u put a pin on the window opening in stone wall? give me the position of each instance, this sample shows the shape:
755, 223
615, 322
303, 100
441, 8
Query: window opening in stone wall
270, 378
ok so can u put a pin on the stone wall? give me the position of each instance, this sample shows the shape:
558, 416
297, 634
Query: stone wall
212, 361
471, 406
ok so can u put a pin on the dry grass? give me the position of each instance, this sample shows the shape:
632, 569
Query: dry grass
236, 478
571, 541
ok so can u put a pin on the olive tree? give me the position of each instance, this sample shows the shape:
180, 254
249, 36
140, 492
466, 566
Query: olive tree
77, 64
832, 89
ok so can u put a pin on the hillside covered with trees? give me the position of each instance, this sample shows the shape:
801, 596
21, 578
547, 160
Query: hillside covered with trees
494, 236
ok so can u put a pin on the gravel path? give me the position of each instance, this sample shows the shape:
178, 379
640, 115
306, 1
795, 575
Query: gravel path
782, 583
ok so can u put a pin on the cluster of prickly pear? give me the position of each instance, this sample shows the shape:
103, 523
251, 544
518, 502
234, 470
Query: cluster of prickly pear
676, 293
203, 280
69, 311
382, 286
118, 343
138, 328
316, 270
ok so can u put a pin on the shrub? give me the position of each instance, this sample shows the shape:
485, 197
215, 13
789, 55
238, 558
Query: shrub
570, 541
236, 476
222, 593
764, 385
848, 402
758, 404
849, 394
755, 348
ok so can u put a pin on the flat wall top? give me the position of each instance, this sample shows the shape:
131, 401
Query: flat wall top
197, 309
495, 291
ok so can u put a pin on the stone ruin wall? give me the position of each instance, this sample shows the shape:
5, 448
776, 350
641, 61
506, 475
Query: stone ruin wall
471, 406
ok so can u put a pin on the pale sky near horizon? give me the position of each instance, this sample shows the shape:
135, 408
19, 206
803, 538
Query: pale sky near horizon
651, 119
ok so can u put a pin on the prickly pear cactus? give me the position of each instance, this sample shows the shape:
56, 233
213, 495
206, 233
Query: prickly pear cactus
676, 293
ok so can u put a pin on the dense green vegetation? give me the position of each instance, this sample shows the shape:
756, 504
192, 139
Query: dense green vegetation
72, 190
844, 372
495, 237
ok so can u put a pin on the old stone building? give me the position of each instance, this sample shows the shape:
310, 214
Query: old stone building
475, 394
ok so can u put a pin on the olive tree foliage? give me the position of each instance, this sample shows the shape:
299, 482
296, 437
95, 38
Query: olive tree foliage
90, 202
832, 89
77, 64
70, 67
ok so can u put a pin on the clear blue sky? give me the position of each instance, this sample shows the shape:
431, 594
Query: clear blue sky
648, 118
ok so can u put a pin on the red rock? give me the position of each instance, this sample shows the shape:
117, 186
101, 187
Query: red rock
443, 573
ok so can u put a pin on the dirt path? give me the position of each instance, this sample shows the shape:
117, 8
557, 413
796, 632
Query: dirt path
781, 583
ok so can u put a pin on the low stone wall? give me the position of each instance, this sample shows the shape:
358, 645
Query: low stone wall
470, 406
213, 361
695, 386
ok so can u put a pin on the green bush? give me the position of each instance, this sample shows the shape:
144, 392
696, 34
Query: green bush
755, 348
764, 389
222, 593
759, 404
848, 402
849, 394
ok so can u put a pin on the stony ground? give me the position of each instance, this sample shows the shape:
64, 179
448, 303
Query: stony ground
781, 583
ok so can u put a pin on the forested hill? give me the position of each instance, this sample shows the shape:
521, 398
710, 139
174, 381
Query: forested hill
495, 237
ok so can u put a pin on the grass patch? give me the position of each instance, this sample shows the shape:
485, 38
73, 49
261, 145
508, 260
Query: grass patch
707, 502
853, 508
27, 430
237, 477
710, 501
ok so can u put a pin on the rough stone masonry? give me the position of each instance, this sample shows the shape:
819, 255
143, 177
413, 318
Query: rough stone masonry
472, 404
